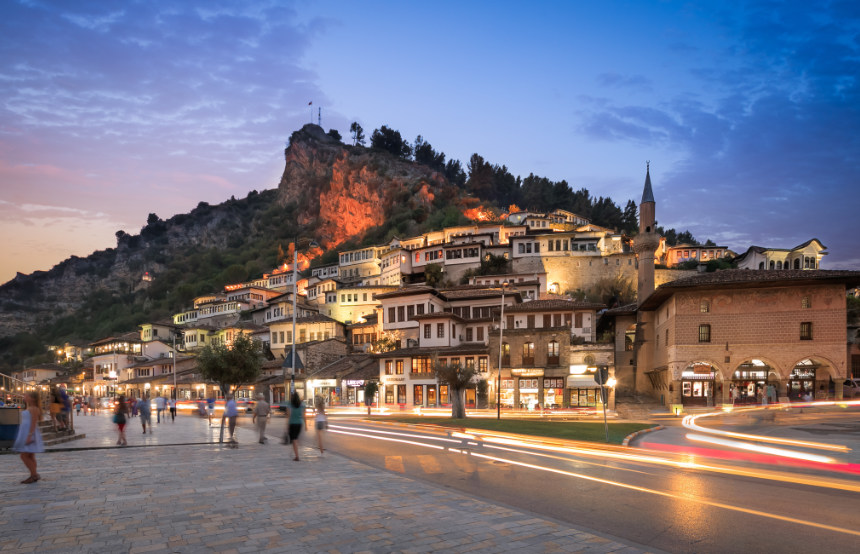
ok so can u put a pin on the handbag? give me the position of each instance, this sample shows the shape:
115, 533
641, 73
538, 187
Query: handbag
116, 418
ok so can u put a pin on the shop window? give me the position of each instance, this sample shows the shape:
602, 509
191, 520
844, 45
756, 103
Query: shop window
418, 395
401, 394
389, 395
704, 333
506, 354
806, 330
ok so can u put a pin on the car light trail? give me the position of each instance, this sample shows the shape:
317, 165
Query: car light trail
763, 449
690, 423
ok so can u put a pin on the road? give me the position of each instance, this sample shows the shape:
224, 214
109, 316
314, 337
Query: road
663, 500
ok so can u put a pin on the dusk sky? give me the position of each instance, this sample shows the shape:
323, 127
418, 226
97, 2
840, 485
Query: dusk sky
748, 111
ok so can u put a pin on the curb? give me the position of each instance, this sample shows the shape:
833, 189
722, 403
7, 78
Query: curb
628, 438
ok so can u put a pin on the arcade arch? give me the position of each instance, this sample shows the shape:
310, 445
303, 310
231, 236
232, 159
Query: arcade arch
811, 378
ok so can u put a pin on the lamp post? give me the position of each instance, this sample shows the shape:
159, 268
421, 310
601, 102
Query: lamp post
174, 366
499, 381
310, 243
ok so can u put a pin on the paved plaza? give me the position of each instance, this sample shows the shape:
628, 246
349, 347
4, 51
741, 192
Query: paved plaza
176, 490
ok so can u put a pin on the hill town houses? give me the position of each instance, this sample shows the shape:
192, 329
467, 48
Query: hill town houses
691, 338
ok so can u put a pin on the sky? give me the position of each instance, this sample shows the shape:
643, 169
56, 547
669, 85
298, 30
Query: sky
749, 112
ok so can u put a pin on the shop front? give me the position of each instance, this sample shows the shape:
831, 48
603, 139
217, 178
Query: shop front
326, 389
697, 385
749, 383
353, 390
583, 390
508, 393
553, 392
801, 381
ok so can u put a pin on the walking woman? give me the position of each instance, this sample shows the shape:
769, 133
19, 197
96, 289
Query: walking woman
297, 420
320, 420
120, 417
29, 440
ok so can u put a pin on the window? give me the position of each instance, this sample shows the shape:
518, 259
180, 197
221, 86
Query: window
470, 362
806, 330
547, 321
469, 334
440, 330
484, 364
398, 367
410, 311
704, 307
506, 354
667, 338
552, 353
578, 320
804, 303
479, 334
704, 333
289, 337
274, 337
420, 309
421, 364
427, 331
282, 337
556, 320
389, 365
529, 353
401, 313
391, 318
509, 324
418, 395
530, 321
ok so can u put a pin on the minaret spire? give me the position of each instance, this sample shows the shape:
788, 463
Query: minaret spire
646, 242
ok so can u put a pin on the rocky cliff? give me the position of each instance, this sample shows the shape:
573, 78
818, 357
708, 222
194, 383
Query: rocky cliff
342, 190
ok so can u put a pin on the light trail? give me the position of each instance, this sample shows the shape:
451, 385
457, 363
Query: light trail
613, 483
518, 447
690, 423
763, 449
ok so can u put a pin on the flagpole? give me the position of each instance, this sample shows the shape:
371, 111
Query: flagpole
311, 104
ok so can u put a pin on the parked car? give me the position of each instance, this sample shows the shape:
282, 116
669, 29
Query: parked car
851, 388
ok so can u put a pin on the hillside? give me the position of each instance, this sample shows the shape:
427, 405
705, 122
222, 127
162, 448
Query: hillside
329, 191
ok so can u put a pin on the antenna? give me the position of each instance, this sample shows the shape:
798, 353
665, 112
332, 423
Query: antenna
319, 117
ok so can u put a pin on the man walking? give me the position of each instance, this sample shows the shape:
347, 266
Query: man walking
160, 403
261, 413
172, 405
144, 409
230, 413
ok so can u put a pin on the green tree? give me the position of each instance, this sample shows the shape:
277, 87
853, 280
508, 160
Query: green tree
390, 140
424, 154
458, 379
357, 133
433, 275
630, 219
334, 134
231, 367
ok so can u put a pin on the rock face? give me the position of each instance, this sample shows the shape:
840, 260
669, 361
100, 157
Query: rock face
343, 190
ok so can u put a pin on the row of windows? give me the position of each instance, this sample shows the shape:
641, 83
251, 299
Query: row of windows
705, 332
459, 253
424, 364
808, 263
357, 256
528, 353
353, 297
563, 245
363, 338
286, 337
549, 320
405, 313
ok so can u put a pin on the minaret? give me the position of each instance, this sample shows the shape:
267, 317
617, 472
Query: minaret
646, 242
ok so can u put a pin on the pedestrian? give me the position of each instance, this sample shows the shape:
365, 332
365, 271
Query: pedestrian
78, 406
261, 415
172, 404
320, 422
85, 402
29, 442
296, 421
210, 408
66, 410
230, 413
134, 403
56, 408
120, 417
94, 406
145, 411
160, 405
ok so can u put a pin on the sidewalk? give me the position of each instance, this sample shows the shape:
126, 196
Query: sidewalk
153, 497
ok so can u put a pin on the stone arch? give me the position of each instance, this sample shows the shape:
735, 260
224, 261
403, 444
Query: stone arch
812, 374
823, 363
775, 369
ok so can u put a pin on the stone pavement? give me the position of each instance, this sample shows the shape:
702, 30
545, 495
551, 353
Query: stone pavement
173, 490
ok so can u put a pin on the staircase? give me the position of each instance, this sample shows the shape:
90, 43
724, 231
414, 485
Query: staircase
53, 438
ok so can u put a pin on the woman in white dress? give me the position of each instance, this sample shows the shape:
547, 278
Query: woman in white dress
29, 440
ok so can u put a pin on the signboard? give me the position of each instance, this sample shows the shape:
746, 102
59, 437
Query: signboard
527, 372
324, 383
387, 380
353, 383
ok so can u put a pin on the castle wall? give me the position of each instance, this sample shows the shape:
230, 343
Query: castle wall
577, 272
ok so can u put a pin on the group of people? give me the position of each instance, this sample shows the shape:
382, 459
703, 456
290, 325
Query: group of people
142, 407
296, 421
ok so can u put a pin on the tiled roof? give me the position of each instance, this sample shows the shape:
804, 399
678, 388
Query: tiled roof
348, 365
627, 309
750, 278
553, 305
408, 291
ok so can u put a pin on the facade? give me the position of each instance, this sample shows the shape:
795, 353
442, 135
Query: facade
682, 253
803, 256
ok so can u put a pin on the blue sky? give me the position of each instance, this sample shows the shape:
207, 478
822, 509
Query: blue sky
748, 111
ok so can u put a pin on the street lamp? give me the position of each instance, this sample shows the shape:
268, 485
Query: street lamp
309, 243
499, 382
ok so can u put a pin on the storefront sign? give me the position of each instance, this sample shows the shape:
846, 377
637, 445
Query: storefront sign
323, 383
353, 383
387, 380
527, 372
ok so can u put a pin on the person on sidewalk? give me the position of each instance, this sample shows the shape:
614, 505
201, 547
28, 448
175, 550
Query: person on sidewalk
145, 413
231, 411
172, 404
320, 421
29, 442
56, 407
296, 421
160, 405
210, 408
261, 415
120, 418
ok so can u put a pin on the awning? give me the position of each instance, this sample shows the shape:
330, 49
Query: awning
581, 382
